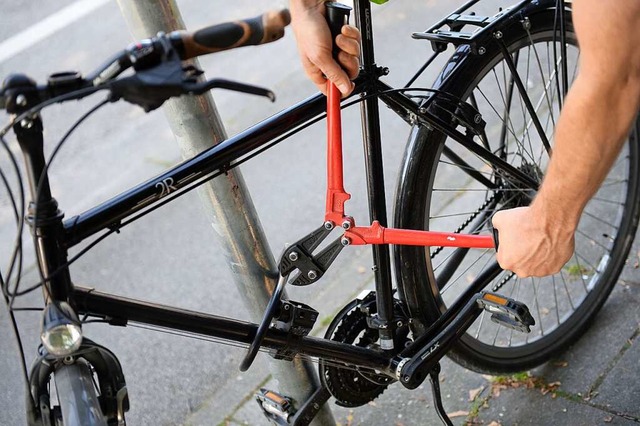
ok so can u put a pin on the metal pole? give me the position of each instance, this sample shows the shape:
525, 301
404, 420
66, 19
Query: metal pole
197, 126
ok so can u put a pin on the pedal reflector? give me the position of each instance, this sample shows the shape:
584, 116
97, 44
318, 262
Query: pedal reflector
276, 407
507, 312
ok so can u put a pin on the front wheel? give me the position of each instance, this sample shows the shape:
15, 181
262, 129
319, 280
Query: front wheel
77, 395
90, 389
445, 187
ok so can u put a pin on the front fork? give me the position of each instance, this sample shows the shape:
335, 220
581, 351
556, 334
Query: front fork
45, 220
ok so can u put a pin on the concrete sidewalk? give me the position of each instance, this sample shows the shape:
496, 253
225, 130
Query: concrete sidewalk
595, 382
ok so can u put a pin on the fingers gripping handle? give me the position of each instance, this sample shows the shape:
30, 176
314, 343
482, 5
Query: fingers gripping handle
337, 17
259, 30
494, 233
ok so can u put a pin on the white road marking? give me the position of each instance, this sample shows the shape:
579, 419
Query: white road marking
49, 25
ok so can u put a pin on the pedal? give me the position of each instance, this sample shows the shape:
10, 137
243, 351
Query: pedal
277, 408
507, 312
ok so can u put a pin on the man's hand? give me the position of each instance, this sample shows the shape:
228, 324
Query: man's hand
531, 245
315, 46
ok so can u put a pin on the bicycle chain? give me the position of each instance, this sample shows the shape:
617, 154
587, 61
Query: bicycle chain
467, 221
501, 284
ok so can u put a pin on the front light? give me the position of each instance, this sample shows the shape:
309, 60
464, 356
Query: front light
61, 330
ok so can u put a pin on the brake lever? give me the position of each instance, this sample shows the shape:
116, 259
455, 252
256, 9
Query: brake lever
151, 87
217, 83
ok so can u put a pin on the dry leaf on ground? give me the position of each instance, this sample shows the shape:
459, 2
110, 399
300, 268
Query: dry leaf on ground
473, 393
458, 414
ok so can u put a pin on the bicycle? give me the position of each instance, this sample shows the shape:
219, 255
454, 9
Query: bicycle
380, 337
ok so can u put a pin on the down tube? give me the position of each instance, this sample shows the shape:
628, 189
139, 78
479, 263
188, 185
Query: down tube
110, 213
121, 311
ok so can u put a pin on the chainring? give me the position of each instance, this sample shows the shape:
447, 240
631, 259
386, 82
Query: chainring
349, 385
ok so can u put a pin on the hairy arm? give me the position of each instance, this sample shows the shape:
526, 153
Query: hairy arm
598, 112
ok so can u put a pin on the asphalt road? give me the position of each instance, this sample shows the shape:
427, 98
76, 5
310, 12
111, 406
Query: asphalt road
172, 256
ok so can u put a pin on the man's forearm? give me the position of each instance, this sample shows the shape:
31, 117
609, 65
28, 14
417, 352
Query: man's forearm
601, 105
594, 124
597, 113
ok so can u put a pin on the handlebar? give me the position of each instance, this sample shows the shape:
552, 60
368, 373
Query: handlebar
262, 29
149, 54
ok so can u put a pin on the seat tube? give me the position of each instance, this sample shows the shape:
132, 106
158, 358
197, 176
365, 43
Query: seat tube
46, 223
375, 177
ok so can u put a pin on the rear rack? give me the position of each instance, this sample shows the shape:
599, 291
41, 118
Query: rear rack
456, 22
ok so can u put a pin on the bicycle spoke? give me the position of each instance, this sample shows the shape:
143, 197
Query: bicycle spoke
535, 52
505, 119
555, 298
509, 129
444, 290
525, 130
584, 284
475, 169
599, 219
617, 203
585, 260
588, 238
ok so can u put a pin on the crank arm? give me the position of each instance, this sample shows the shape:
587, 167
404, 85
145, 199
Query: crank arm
411, 371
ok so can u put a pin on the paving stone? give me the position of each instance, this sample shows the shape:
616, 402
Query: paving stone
591, 355
520, 407
620, 389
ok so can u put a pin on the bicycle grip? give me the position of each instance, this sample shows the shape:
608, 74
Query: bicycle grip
262, 29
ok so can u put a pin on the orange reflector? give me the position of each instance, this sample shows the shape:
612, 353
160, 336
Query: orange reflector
495, 299
275, 397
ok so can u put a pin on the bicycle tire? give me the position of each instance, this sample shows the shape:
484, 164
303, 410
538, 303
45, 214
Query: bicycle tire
77, 395
599, 258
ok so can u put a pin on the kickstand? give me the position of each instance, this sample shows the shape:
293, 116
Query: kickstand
437, 397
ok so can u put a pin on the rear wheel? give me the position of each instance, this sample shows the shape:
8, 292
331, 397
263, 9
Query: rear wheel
438, 192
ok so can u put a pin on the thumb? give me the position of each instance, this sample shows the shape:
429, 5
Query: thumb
337, 76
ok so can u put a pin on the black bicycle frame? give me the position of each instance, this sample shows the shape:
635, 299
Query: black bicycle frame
109, 216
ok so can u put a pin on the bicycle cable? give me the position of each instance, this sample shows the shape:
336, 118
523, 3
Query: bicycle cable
10, 295
78, 94
16, 334
45, 280
19, 213
17, 251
